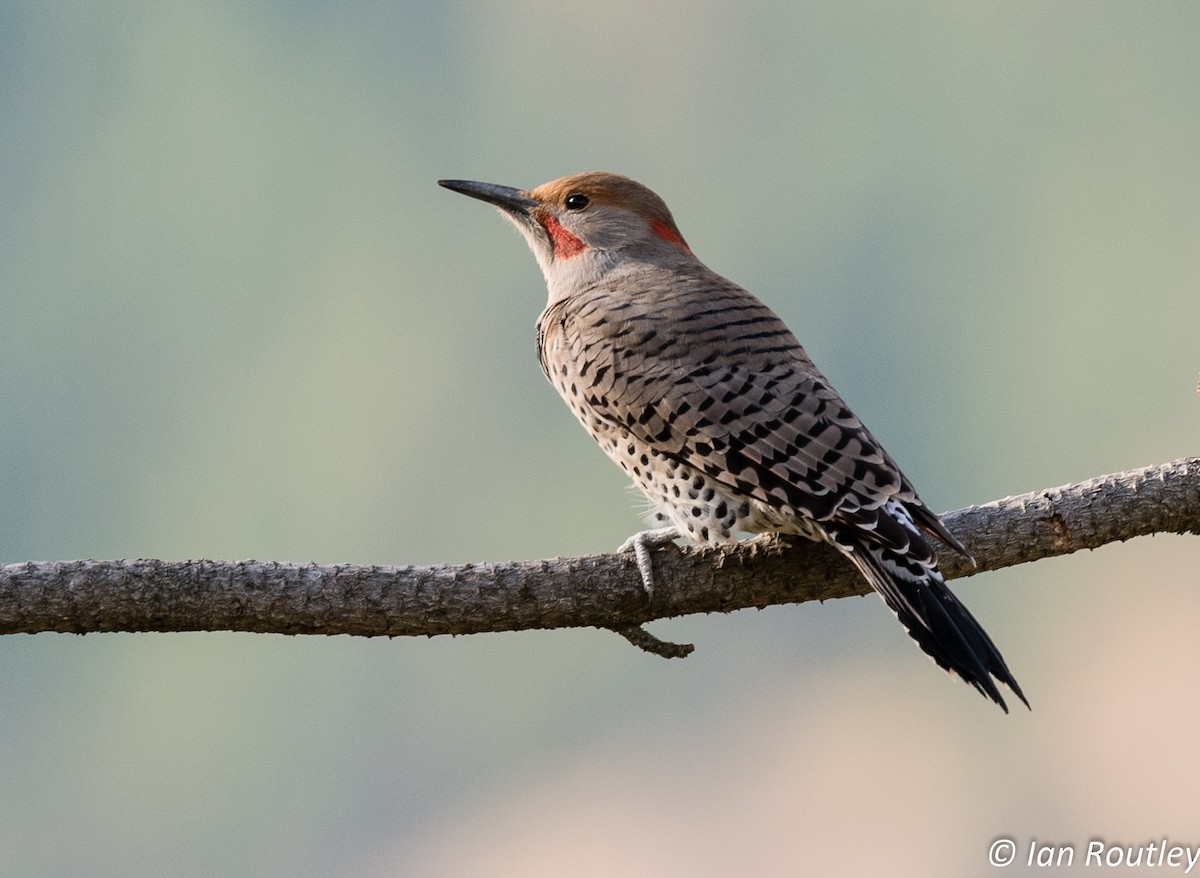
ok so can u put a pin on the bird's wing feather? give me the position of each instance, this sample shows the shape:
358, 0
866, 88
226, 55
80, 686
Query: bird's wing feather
734, 396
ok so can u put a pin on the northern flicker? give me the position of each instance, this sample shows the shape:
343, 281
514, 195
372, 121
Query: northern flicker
705, 398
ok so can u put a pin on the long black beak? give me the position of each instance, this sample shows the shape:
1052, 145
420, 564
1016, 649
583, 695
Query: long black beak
504, 197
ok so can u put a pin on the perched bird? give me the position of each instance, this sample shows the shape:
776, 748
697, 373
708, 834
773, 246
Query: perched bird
705, 398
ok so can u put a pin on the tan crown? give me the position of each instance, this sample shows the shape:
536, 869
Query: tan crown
603, 187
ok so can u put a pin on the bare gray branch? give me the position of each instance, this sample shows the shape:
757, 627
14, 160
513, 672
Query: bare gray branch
597, 590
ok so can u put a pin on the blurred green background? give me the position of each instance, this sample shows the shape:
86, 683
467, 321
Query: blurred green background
239, 319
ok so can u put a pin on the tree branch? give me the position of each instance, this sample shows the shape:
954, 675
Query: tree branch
597, 590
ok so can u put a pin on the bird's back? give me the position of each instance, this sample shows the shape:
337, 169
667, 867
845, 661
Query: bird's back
698, 370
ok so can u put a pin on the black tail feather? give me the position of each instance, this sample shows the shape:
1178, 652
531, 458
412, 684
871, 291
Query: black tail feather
934, 617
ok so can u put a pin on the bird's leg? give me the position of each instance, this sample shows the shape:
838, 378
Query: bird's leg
641, 543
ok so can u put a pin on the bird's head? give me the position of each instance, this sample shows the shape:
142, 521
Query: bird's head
583, 226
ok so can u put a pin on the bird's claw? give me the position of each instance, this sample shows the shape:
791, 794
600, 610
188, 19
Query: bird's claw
640, 544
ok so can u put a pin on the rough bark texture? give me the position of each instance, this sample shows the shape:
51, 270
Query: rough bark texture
596, 590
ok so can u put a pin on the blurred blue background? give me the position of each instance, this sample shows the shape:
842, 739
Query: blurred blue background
239, 319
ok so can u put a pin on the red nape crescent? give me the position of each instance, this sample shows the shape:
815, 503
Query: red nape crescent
667, 233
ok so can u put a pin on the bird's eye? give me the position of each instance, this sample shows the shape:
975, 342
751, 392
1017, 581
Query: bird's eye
576, 201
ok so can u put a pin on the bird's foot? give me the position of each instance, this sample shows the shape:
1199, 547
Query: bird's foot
767, 542
640, 544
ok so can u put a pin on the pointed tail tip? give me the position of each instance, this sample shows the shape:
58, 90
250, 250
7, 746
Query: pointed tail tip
1017, 691
990, 690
